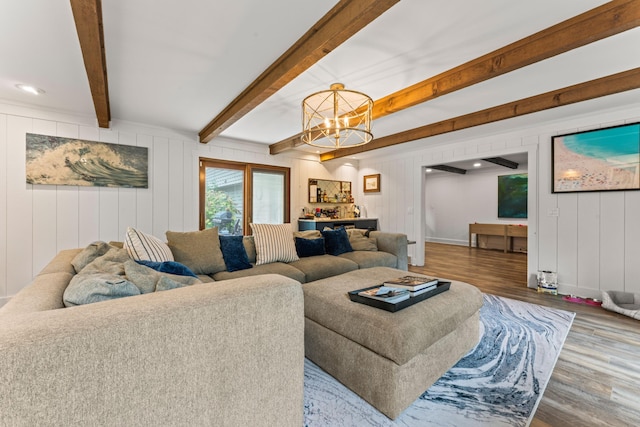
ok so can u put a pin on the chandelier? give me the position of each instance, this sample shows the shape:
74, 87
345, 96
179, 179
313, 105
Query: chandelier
336, 118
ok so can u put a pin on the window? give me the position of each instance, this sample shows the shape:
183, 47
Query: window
233, 194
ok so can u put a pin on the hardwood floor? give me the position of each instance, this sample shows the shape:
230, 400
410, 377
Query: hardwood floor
596, 381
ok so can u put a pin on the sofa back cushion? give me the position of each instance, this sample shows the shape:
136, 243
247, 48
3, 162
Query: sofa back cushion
336, 241
198, 250
234, 253
142, 246
309, 247
274, 242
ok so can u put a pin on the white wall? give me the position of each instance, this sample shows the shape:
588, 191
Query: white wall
37, 221
594, 242
453, 201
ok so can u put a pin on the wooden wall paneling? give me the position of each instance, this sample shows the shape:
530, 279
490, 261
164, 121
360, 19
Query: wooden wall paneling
547, 225
176, 182
109, 198
566, 238
534, 188
44, 227
160, 186
67, 201
127, 205
88, 215
588, 240
67, 217
4, 160
20, 202
190, 187
612, 237
44, 215
88, 200
144, 196
631, 241
412, 198
109, 210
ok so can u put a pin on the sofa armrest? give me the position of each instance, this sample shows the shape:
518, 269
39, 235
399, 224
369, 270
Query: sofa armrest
393, 243
223, 353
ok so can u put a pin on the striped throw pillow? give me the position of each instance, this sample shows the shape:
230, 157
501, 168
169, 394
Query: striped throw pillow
145, 247
274, 242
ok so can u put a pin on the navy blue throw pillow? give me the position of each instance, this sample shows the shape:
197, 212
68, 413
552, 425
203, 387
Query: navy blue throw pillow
336, 241
170, 267
309, 247
234, 254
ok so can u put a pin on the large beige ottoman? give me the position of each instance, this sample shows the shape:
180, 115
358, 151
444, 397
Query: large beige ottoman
389, 359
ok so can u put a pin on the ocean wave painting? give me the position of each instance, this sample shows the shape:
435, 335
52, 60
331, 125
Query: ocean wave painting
55, 160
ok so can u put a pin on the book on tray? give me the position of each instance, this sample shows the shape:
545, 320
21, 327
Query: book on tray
386, 293
413, 283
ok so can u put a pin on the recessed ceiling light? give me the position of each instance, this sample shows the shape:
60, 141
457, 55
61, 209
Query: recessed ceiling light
429, 170
477, 165
30, 89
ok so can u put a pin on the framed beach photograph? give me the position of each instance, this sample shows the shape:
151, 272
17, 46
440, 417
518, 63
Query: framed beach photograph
605, 159
372, 183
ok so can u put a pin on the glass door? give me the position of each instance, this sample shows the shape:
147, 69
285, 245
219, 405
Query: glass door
222, 197
233, 195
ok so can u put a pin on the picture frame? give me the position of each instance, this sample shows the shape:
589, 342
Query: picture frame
606, 159
512, 195
53, 160
371, 183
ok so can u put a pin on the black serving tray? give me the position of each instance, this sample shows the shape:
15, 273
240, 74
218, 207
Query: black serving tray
393, 307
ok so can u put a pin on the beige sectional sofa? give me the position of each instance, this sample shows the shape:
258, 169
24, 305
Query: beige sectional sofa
391, 251
226, 353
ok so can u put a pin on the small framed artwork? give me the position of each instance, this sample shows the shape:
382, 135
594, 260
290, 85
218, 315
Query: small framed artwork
372, 183
605, 159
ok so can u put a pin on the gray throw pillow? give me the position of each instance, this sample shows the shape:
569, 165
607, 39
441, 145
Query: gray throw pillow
361, 243
198, 250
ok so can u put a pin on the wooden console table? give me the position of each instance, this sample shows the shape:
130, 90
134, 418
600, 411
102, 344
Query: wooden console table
507, 231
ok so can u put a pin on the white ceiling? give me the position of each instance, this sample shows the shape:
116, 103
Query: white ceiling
178, 64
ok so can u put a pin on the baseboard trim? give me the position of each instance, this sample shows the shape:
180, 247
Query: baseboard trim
447, 241
4, 300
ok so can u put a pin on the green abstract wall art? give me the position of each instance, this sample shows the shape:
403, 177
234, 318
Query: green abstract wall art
55, 160
512, 196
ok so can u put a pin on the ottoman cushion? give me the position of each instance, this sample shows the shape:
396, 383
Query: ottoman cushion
322, 266
396, 336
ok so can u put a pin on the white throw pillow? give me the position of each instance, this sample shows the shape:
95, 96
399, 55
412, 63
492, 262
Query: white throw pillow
274, 242
145, 247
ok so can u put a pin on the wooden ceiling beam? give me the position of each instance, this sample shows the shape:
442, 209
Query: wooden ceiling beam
451, 169
344, 20
609, 19
501, 161
609, 85
87, 15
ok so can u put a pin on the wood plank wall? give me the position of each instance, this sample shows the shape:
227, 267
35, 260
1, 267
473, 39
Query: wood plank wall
593, 244
37, 221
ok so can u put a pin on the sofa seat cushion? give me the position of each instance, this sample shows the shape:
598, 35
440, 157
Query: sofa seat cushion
396, 336
271, 268
368, 259
322, 266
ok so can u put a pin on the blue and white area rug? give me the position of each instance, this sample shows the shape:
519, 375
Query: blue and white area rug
498, 383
